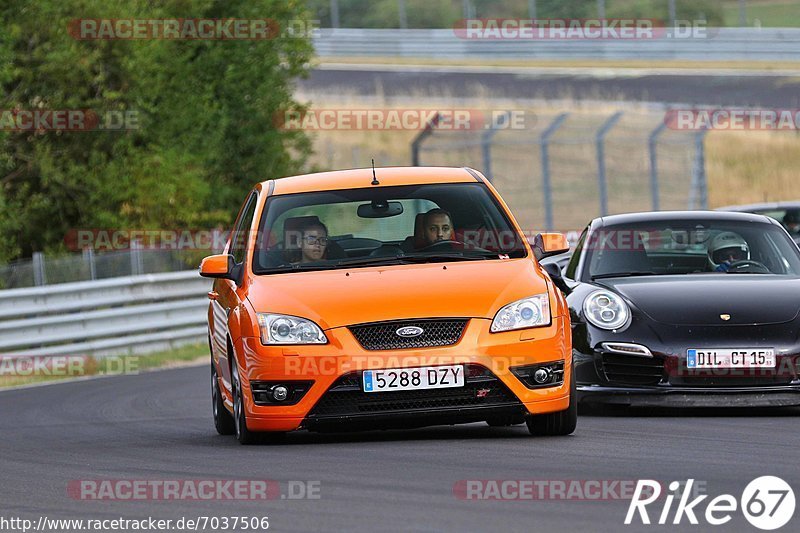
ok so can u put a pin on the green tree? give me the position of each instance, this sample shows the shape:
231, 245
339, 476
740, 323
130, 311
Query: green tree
205, 113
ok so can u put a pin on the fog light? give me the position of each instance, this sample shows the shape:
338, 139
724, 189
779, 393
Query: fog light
542, 375
280, 393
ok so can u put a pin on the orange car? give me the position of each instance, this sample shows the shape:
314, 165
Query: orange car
385, 298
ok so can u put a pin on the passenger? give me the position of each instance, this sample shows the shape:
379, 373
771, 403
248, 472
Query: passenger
437, 226
791, 221
306, 242
314, 243
726, 249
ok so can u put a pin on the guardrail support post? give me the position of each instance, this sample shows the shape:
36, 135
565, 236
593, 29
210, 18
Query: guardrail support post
39, 275
88, 258
547, 190
601, 160
652, 147
136, 259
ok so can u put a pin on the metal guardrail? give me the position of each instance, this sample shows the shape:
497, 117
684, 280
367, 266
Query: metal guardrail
719, 44
135, 314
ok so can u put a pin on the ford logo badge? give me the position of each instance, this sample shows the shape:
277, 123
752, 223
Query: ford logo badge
410, 331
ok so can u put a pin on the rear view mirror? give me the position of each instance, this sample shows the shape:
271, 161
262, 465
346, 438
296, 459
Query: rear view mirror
548, 244
380, 209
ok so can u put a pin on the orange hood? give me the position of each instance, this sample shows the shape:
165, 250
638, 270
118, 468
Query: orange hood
334, 298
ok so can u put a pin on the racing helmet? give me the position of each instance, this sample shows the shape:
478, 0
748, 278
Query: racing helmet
725, 245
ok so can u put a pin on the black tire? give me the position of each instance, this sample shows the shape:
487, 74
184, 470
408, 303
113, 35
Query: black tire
243, 435
560, 422
223, 420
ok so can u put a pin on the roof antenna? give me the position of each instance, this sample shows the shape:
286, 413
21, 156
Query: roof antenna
374, 178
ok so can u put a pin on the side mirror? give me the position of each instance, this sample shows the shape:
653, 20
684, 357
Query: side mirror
555, 274
548, 244
217, 266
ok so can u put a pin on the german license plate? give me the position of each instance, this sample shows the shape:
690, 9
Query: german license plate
731, 358
426, 377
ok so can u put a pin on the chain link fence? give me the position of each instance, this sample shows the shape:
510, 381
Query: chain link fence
563, 169
86, 266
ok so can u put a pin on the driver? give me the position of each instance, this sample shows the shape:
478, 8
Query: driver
437, 226
725, 249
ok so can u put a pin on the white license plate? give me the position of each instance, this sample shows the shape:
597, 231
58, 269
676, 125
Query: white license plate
426, 377
731, 358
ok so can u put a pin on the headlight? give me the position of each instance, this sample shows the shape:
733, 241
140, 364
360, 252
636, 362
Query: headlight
526, 313
285, 329
606, 310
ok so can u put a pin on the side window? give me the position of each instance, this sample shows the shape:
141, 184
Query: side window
242, 230
572, 267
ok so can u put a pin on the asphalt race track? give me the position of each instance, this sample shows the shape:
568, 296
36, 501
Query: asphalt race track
693, 87
157, 426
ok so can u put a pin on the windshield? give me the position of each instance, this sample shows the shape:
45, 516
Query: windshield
386, 225
685, 247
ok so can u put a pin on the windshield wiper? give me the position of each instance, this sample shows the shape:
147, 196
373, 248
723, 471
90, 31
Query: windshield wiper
299, 267
622, 275
424, 258
416, 258
359, 261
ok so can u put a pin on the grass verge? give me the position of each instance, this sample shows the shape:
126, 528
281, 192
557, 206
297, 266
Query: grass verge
80, 367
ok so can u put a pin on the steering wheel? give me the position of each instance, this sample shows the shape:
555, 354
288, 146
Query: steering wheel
745, 264
441, 245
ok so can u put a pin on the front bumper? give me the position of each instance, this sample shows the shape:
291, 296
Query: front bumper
337, 366
665, 380
681, 397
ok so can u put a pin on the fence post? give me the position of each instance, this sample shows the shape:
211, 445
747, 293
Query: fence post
39, 276
418, 140
547, 190
88, 258
600, 138
652, 141
699, 184
136, 258
486, 141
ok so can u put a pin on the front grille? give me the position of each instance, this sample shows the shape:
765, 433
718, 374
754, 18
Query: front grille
383, 335
346, 397
633, 370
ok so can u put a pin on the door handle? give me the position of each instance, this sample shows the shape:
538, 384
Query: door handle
213, 295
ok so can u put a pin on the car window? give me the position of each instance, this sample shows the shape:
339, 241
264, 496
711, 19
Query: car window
680, 247
572, 267
340, 222
415, 223
242, 230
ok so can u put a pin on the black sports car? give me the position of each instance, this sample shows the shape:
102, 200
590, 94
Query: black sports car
693, 308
